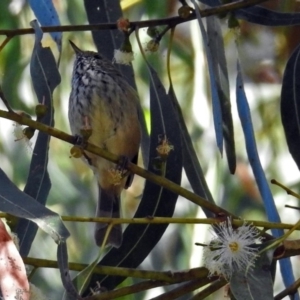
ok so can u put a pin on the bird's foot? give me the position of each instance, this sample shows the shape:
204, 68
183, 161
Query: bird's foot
80, 141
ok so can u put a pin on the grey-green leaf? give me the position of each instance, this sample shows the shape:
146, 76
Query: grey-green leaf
216, 45
19, 204
256, 282
290, 104
45, 78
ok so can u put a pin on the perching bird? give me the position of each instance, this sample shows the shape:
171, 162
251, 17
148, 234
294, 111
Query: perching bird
102, 100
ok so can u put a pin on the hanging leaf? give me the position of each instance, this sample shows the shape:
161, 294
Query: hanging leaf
260, 178
260, 15
263, 16
191, 163
19, 204
45, 78
255, 282
245, 118
217, 112
63, 264
216, 46
46, 14
290, 104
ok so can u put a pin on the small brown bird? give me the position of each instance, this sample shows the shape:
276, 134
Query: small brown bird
102, 100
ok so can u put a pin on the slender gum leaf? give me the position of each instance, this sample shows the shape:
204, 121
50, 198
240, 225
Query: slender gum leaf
19, 204
62, 260
260, 15
254, 282
46, 14
290, 104
191, 163
269, 204
45, 78
217, 112
216, 46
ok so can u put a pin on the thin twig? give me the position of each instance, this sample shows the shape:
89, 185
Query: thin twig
293, 207
291, 290
4, 100
183, 289
289, 191
7, 39
128, 290
164, 182
172, 21
159, 180
165, 220
166, 276
209, 290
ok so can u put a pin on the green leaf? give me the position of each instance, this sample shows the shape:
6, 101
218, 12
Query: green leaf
19, 204
62, 260
290, 104
191, 163
255, 282
45, 78
216, 105
216, 46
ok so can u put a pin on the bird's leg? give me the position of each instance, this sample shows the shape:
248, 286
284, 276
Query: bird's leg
123, 165
80, 140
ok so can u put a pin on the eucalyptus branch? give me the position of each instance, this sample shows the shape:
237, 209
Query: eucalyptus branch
128, 290
293, 207
161, 181
287, 249
5, 42
288, 191
4, 100
166, 220
291, 290
182, 290
168, 277
209, 290
172, 21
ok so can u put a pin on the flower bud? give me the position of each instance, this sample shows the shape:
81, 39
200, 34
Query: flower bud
184, 11
40, 111
76, 152
28, 132
123, 24
152, 45
152, 32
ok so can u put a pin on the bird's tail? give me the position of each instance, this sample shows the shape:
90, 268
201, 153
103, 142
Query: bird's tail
108, 207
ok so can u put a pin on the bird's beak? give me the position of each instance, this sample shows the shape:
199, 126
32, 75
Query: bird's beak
75, 48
